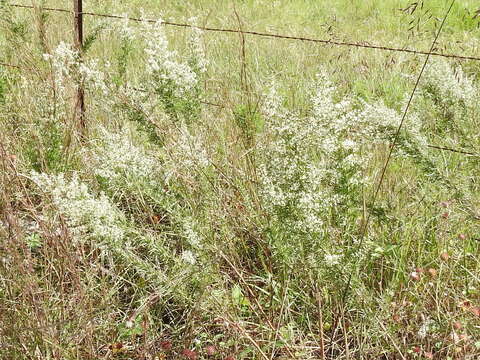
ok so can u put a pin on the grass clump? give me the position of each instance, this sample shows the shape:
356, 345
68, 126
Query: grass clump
169, 228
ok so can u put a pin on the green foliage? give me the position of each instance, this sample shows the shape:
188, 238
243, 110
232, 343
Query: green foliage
125, 50
14, 29
179, 108
44, 150
143, 122
130, 329
93, 36
249, 122
168, 225
34, 241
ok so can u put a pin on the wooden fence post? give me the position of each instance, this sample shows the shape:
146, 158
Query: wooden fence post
80, 101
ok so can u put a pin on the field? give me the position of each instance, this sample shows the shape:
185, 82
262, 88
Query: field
233, 196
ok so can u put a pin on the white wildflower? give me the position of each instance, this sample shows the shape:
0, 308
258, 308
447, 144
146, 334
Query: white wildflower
124, 30
129, 324
311, 164
332, 259
449, 84
196, 46
88, 216
63, 58
349, 144
91, 75
67, 64
162, 62
188, 257
116, 158
425, 328
192, 236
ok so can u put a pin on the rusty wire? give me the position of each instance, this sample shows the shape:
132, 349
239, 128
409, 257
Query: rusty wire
459, 151
12, 66
363, 44
462, 57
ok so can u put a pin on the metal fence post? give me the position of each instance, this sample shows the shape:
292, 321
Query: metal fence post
80, 101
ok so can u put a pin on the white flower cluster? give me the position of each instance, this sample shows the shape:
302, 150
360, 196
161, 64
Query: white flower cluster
191, 235
188, 257
197, 48
332, 259
426, 327
116, 158
64, 57
88, 216
67, 64
92, 76
289, 179
162, 62
314, 163
187, 154
124, 30
449, 84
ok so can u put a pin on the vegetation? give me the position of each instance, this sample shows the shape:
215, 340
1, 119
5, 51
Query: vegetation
219, 203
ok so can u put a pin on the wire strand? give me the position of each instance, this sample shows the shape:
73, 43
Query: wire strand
437, 147
363, 44
390, 152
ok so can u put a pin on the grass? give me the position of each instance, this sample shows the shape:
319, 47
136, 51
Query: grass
170, 228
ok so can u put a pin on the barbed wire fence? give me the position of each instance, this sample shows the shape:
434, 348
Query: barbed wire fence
363, 44
78, 17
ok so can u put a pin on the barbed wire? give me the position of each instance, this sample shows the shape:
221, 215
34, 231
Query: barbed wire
12, 66
378, 47
443, 148
452, 150
363, 44
39, 7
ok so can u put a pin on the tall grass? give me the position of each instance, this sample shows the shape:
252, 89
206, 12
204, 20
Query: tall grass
177, 229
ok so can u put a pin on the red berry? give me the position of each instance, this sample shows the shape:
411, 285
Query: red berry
210, 350
166, 345
444, 256
189, 354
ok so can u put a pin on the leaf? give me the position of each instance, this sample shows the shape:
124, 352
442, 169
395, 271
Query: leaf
90, 39
238, 297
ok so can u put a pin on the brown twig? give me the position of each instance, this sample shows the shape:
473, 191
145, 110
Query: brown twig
320, 324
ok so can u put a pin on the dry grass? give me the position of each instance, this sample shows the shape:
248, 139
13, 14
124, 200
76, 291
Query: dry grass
176, 229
